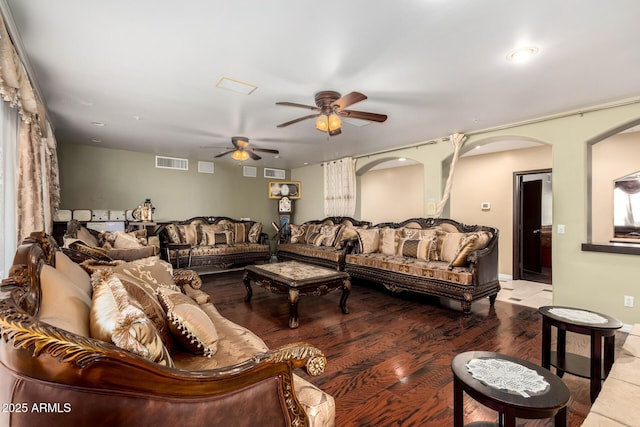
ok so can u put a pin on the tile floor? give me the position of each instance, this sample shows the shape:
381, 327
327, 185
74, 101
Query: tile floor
522, 292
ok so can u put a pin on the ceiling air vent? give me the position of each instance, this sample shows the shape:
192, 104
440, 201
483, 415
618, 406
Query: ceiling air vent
205, 167
250, 171
274, 173
172, 163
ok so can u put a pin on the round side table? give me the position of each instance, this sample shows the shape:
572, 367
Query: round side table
585, 322
550, 402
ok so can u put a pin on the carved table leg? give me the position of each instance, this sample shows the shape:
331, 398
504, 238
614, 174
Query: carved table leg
247, 284
346, 290
293, 308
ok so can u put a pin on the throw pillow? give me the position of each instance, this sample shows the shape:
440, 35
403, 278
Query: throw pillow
297, 233
389, 240
471, 242
205, 230
152, 270
369, 240
189, 324
312, 232
188, 234
125, 241
254, 232
171, 231
85, 235
63, 305
115, 317
76, 274
329, 234
420, 248
89, 251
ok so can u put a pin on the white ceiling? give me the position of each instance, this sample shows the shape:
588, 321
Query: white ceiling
147, 69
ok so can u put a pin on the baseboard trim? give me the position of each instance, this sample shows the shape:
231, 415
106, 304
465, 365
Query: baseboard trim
504, 277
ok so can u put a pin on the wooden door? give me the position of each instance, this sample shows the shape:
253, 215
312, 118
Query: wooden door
531, 205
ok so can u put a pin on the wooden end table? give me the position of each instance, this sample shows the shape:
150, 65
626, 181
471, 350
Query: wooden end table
550, 402
585, 322
297, 279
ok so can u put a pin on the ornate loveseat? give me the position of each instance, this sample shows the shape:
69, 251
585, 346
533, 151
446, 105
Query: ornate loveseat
322, 242
438, 257
54, 372
85, 243
213, 241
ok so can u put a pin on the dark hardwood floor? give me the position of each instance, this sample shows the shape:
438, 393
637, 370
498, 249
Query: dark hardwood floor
389, 359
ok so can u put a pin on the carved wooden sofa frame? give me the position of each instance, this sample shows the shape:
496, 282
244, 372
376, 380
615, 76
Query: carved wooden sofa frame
82, 381
183, 255
482, 263
325, 257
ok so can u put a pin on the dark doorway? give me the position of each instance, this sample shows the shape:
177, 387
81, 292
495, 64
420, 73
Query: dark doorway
532, 237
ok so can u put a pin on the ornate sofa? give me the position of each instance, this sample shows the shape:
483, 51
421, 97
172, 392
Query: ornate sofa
213, 241
437, 257
322, 242
55, 373
84, 242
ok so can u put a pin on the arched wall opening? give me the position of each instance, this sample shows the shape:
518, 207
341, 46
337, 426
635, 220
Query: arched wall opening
611, 156
483, 185
391, 189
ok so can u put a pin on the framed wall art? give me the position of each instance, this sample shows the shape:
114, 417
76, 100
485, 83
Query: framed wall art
290, 189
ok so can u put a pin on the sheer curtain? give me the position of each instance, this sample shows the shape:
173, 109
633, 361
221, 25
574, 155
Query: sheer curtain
340, 187
9, 122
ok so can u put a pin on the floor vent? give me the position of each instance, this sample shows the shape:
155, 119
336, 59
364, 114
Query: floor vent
205, 167
172, 163
250, 171
274, 173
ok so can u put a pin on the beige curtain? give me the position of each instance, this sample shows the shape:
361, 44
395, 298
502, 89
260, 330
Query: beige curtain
340, 187
457, 139
37, 166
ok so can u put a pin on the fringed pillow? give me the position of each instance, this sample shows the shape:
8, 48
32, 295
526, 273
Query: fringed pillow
298, 233
189, 324
116, 317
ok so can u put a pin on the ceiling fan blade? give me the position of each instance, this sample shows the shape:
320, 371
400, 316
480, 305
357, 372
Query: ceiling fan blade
310, 116
266, 150
293, 104
363, 115
224, 154
348, 99
253, 155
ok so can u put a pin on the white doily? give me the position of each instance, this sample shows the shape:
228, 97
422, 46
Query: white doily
508, 376
578, 315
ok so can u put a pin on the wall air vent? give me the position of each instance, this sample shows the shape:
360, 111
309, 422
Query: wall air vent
172, 163
274, 173
205, 167
250, 171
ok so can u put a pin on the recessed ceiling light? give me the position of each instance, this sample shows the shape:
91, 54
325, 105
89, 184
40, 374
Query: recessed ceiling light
402, 159
96, 140
236, 86
522, 54
97, 123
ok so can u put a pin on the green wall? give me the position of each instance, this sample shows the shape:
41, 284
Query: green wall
99, 178
590, 280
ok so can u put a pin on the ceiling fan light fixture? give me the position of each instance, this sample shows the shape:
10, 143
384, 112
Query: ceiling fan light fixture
322, 123
334, 122
240, 155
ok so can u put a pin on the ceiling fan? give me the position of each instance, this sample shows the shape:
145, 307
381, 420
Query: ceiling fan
241, 150
330, 106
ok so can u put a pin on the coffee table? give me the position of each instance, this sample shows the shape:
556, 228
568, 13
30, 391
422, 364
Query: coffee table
540, 393
297, 279
600, 327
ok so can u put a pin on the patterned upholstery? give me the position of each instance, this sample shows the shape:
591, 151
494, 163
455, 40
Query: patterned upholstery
214, 241
438, 270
